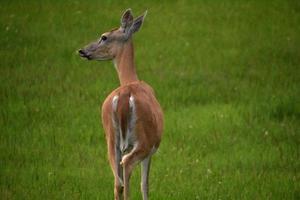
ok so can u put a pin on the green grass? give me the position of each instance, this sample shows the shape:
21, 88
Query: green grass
227, 74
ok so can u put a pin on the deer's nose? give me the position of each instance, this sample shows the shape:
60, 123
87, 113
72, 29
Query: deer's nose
84, 54
81, 52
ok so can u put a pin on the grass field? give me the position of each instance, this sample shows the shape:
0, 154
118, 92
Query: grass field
227, 74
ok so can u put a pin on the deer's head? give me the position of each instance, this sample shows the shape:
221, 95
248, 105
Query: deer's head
110, 43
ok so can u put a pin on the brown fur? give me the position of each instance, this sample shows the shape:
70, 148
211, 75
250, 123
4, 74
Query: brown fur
123, 111
149, 114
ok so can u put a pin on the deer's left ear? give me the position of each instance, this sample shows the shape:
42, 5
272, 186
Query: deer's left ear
137, 23
126, 19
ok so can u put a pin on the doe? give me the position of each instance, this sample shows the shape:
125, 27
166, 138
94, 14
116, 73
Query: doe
132, 117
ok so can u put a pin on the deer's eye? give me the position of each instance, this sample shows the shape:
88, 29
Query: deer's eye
103, 38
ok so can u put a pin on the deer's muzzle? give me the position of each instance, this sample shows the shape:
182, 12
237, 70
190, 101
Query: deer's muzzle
84, 54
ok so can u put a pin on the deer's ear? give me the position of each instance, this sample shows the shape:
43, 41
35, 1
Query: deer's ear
137, 23
126, 19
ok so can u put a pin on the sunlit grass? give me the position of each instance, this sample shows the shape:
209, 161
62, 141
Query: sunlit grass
226, 73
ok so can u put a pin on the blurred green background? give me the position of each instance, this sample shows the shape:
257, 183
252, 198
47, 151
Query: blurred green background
227, 74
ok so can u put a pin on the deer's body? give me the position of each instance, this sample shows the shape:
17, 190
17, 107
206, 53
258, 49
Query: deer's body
131, 115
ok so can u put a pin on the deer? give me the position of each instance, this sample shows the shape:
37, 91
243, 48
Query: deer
132, 117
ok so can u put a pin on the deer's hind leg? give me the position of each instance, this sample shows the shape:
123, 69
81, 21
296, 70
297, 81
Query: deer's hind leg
115, 157
129, 161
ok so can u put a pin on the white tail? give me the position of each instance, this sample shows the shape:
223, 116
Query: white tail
131, 115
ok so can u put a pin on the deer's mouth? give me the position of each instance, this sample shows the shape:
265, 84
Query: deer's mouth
83, 54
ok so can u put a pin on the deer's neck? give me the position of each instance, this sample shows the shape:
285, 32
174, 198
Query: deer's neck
124, 63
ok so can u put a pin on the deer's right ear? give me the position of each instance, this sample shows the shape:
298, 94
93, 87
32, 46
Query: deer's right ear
127, 19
